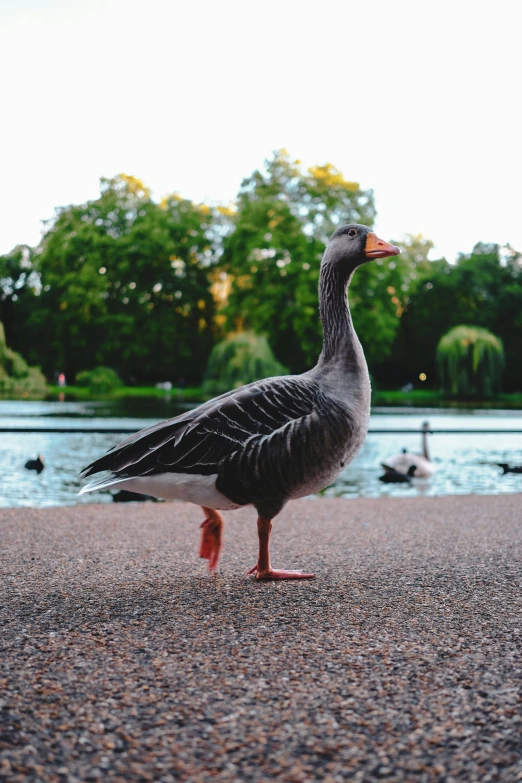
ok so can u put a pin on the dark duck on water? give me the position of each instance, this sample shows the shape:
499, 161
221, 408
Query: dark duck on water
507, 469
35, 464
268, 442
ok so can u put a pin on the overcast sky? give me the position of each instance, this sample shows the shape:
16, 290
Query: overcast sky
417, 100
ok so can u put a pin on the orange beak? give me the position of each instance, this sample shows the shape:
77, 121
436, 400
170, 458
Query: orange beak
378, 248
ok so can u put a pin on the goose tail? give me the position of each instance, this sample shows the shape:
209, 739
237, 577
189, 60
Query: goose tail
103, 482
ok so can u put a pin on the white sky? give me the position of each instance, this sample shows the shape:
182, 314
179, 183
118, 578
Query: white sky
417, 100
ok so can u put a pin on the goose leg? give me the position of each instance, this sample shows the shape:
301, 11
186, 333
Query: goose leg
263, 569
211, 532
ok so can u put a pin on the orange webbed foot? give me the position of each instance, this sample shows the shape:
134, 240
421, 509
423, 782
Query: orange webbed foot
211, 538
272, 574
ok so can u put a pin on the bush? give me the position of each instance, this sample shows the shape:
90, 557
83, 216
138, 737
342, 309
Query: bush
470, 362
14, 364
16, 377
239, 359
100, 380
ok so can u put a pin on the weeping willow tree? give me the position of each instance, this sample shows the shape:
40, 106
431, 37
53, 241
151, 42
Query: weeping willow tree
241, 358
470, 361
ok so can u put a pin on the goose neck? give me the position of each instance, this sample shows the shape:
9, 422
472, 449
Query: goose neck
339, 336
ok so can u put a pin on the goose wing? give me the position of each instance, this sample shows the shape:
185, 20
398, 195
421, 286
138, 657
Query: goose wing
199, 440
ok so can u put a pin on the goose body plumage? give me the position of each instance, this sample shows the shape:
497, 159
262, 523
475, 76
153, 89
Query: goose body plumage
271, 441
263, 444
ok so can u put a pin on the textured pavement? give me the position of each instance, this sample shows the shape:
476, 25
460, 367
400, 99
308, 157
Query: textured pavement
122, 660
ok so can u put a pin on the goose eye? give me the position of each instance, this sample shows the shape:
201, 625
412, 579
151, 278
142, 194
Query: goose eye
352, 232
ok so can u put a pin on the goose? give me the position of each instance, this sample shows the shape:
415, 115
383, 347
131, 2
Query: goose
270, 441
392, 476
35, 464
423, 466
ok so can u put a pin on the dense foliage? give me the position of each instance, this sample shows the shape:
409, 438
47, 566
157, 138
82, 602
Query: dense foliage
272, 257
148, 288
124, 282
482, 288
239, 359
16, 377
470, 361
100, 380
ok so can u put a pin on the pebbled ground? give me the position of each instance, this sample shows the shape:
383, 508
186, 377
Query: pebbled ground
122, 660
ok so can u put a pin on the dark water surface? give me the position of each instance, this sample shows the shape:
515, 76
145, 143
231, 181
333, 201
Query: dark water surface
465, 462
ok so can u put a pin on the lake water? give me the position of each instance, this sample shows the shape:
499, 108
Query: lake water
465, 462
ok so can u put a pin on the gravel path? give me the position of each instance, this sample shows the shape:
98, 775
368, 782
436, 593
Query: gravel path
122, 660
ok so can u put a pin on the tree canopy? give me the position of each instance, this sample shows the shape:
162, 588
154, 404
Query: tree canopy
241, 358
272, 257
123, 281
470, 360
16, 377
483, 288
148, 287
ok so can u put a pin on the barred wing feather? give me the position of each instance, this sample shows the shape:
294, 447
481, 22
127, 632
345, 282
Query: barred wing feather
199, 440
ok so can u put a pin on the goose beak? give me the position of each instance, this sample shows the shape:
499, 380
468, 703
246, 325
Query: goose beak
378, 248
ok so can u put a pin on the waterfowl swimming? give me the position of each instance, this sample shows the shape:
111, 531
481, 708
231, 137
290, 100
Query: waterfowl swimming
270, 441
392, 476
35, 464
506, 469
423, 465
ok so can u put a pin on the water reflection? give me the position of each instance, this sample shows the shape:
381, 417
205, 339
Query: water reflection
132, 407
466, 463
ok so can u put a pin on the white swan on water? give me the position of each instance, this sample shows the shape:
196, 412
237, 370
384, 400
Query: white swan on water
424, 467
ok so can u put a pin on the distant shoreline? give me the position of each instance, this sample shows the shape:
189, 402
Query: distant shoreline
418, 398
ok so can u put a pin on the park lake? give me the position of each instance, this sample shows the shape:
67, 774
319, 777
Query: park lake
465, 461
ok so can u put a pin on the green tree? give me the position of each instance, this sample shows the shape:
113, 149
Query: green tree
146, 288
470, 361
379, 293
271, 265
19, 283
392, 288
125, 285
16, 377
241, 358
484, 288
273, 255
100, 380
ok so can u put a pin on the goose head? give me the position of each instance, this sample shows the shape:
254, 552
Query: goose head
354, 245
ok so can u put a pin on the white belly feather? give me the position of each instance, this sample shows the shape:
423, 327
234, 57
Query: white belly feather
192, 487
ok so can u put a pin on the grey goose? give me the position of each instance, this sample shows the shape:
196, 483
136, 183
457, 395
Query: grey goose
268, 442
